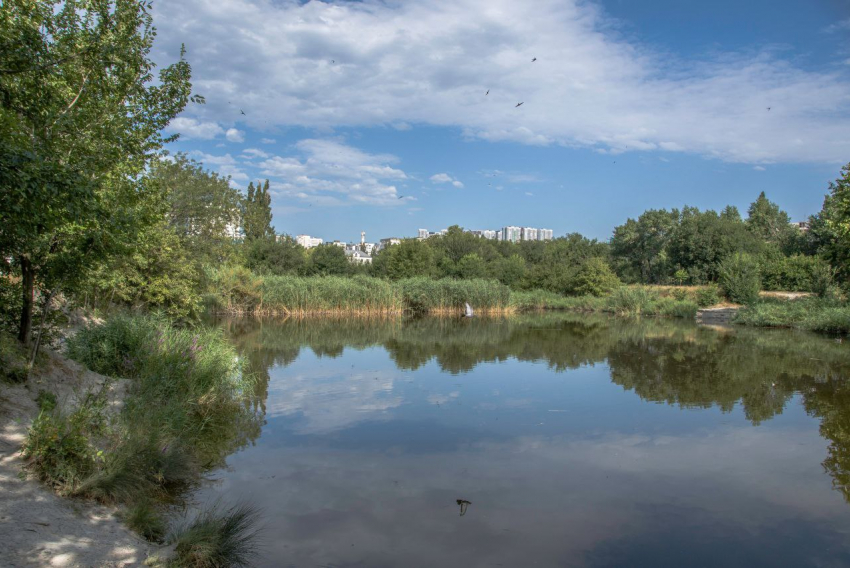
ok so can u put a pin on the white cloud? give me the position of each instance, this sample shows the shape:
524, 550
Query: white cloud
430, 63
446, 178
190, 128
234, 135
254, 153
225, 165
329, 172
528, 193
268, 140
759, 168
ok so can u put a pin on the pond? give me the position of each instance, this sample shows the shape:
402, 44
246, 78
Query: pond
543, 440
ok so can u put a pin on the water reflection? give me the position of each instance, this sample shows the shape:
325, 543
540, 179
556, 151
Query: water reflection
377, 433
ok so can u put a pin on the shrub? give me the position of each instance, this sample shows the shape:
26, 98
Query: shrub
823, 281
594, 278
631, 300
60, 448
13, 359
707, 295
740, 279
218, 538
679, 294
46, 400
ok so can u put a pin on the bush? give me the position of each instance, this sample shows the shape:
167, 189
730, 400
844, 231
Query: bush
707, 295
813, 314
46, 400
13, 359
739, 278
823, 281
631, 300
594, 278
218, 538
60, 448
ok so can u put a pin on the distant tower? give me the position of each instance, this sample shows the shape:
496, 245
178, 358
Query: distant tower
362, 237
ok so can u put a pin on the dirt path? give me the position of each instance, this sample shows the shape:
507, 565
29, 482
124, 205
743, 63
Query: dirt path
37, 527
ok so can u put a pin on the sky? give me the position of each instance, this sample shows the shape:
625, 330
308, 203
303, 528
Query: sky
390, 116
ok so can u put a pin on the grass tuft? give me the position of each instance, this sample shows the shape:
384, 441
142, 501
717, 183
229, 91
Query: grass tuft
217, 538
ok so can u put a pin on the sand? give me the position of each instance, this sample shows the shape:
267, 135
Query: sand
37, 526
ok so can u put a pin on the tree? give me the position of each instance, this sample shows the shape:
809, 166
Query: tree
509, 271
739, 278
471, 266
81, 115
640, 248
594, 278
281, 256
257, 219
768, 222
834, 224
327, 260
202, 208
407, 259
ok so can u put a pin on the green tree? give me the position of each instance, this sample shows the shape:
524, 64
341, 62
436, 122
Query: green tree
769, 223
203, 209
640, 248
509, 271
81, 115
471, 266
594, 278
275, 256
407, 259
739, 278
834, 224
257, 219
327, 260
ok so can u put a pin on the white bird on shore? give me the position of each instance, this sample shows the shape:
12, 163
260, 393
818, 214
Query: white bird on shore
467, 311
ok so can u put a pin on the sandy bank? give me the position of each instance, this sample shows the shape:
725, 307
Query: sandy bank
38, 527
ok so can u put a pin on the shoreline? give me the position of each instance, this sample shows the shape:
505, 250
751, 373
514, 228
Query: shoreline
39, 527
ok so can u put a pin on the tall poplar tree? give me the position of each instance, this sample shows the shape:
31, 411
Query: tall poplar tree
257, 219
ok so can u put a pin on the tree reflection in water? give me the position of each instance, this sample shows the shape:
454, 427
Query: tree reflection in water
677, 363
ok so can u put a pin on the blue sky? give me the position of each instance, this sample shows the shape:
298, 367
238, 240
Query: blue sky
373, 115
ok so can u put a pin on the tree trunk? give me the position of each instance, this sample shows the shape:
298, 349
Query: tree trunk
28, 286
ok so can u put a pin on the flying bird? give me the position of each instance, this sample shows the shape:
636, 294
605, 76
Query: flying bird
242, 111
402, 196
519, 104
463, 505
768, 108
533, 60
487, 93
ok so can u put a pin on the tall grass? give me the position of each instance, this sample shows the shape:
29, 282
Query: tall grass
238, 291
185, 412
813, 314
217, 538
624, 301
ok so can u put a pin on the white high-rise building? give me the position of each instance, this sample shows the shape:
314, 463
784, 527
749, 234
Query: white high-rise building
423, 234
544, 234
488, 234
307, 241
529, 234
511, 233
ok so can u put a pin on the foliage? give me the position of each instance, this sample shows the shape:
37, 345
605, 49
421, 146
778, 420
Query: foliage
327, 260
707, 295
81, 116
769, 223
45, 400
60, 448
13, 359
834, 227
813, 314
640, 248
218, 537
407, 259
145, 519
595, 278
274, 256
739, 278
257, 216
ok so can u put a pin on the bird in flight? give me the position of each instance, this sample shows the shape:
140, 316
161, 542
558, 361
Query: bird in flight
533, 60
463, 505
768, 108
242, 111
402, 196
519, 104
487, 93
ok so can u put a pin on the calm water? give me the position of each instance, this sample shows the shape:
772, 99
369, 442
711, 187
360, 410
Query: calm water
578, 440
